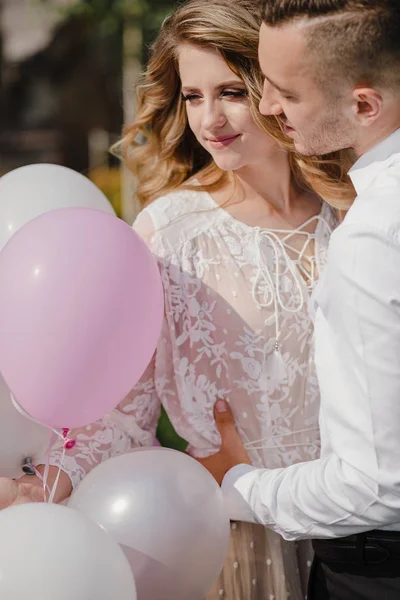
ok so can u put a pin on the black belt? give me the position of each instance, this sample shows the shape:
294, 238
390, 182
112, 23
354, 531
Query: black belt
374, 553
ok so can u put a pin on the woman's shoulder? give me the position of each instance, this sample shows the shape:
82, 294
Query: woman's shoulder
182, 209
172, 207
176, 216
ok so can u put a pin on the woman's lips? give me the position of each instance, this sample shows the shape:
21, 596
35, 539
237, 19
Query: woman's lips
223, 141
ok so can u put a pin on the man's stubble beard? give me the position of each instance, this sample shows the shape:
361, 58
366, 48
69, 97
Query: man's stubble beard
333, 131
331, 135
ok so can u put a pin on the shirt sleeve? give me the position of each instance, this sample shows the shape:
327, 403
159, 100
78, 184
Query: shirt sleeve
355, 485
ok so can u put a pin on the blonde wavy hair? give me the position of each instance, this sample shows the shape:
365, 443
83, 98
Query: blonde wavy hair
159, 147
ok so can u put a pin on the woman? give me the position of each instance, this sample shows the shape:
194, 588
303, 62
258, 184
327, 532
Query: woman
240, 240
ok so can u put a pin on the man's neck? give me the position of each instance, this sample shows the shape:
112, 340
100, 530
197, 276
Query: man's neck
376, 137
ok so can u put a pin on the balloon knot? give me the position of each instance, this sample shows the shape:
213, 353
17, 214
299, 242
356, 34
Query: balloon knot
68, 442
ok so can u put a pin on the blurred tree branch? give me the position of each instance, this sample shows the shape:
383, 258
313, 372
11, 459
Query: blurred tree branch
132, 23
107, 14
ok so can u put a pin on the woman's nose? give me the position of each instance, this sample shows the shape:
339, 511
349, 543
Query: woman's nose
214, 116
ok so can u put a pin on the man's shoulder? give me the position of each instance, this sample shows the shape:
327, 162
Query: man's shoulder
376, 209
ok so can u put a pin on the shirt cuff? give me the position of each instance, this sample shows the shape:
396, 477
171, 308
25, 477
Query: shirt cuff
236, 489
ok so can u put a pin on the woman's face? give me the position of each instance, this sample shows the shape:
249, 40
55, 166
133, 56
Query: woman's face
218, 110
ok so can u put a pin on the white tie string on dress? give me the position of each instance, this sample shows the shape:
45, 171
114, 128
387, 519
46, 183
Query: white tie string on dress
274, 296
293, 265
276, 363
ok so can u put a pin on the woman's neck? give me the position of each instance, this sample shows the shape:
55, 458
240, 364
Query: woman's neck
267, 195
270, 180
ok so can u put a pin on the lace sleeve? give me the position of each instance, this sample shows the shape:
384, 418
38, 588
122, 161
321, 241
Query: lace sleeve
133, 423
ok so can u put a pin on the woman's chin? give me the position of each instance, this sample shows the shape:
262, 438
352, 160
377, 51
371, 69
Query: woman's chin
228, 164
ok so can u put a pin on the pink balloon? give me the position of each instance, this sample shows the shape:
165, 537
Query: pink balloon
81, 313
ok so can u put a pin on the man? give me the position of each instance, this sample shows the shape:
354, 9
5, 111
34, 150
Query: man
332, 73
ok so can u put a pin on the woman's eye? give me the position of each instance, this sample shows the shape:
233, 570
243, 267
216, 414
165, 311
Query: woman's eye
190, 97
235, 93
225, 94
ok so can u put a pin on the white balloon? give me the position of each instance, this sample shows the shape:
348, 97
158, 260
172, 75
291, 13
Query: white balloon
20, 438
29, 191
167, 513
52, 552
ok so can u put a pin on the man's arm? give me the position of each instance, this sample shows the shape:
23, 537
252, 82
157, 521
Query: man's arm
355, 485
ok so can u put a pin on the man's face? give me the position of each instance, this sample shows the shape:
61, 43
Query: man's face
317, 119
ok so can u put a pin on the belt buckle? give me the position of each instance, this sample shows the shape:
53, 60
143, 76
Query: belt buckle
374, 553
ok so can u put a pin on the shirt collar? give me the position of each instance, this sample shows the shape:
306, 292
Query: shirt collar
370, 164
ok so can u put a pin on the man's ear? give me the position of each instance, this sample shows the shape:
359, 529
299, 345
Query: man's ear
367, 105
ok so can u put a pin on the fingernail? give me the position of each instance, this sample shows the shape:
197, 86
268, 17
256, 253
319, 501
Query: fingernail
221, 406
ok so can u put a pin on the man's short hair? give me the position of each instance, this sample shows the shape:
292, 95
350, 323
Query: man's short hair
358, 40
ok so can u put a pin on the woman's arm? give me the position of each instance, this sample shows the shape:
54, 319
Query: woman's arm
133, 423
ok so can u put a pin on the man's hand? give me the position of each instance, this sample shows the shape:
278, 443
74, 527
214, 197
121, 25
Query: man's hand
14, 492
232, 451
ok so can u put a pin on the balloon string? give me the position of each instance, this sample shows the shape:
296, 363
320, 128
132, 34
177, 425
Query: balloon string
55, 484
47, 466
50, 493
68, 444
42, 478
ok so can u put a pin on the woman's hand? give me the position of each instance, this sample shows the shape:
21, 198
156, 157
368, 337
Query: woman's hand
29, 488
232, 451
14, 491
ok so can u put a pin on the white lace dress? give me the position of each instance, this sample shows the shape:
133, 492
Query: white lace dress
236, 327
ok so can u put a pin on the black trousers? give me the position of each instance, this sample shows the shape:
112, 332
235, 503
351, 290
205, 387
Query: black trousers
365, 566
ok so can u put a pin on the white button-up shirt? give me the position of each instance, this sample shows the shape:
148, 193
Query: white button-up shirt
355, 485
